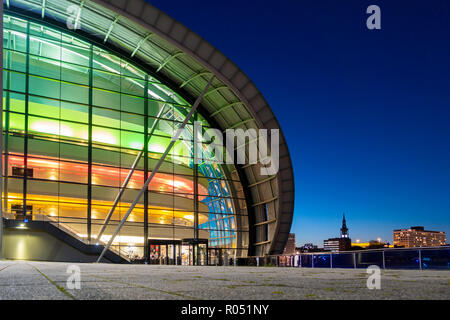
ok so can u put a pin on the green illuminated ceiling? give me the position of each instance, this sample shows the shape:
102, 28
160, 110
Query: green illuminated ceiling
56, 59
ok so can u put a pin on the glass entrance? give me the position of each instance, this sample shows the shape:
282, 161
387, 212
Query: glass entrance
154, 253
215, 257
189, 252
186, 255
194, 252
165, 252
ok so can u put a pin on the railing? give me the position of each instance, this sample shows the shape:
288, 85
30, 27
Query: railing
436, 258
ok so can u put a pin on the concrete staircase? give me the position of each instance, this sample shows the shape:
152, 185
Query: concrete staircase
62, 233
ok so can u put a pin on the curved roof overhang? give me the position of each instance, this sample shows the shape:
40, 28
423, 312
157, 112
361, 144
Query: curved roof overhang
169, 49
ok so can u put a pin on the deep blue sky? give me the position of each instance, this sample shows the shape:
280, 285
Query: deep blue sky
366, 113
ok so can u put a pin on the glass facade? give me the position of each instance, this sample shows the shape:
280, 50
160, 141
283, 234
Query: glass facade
75, 118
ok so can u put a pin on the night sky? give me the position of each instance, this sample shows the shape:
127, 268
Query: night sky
366, 113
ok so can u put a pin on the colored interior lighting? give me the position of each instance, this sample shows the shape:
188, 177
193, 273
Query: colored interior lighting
51, 128
56, 107
45, 205
161, 181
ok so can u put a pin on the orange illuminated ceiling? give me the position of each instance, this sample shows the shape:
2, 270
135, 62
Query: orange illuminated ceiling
76, 208
109, 175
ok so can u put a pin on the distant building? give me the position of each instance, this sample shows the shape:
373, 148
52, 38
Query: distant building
344, 229
339, 244
372, 244
290, 244
418, 237
308, 247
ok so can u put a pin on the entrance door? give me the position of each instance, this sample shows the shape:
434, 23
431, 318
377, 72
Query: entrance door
171, 254
186, 254
165, 251
215, 257
163, 257
189, 252
194, 252
201, 254
154, 253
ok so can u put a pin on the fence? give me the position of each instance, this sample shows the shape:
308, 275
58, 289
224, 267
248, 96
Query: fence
396, 258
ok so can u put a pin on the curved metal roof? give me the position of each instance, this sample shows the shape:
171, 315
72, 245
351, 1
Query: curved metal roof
176, 53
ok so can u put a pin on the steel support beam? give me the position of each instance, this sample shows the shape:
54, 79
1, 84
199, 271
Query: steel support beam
1, 129
77, 19
158, 165
261, 181
25, 142
265, 222
195, 76
110, 29
225, 108
146, 130
420, 259
128, 178
141, 42
264, 201
43, 9
239, 123
215, 90
168, 59
90, 145
196, 147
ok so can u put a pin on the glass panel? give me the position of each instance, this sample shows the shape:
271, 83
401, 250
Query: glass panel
59, 103
402, 259
366, 259
436, 259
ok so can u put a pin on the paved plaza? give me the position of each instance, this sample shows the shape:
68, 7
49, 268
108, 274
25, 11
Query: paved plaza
48, 280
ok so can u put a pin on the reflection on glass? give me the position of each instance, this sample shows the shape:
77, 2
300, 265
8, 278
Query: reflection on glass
70, 146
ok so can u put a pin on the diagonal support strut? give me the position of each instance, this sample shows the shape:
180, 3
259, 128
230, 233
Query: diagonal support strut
128, 178
158, 165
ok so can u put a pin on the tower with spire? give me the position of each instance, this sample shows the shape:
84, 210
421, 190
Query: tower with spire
342, 243
344, 229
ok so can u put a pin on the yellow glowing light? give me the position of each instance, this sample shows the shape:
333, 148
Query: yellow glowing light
176, 183
131, 240
53, 212
189, 217
77, 208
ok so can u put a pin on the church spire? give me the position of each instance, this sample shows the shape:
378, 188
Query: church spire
344, 229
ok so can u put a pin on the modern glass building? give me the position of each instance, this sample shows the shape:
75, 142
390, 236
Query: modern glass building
87, 87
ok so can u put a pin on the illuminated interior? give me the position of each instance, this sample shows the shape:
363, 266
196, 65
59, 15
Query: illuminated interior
75, 117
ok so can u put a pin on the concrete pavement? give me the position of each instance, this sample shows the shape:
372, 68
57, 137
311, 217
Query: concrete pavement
48, 280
